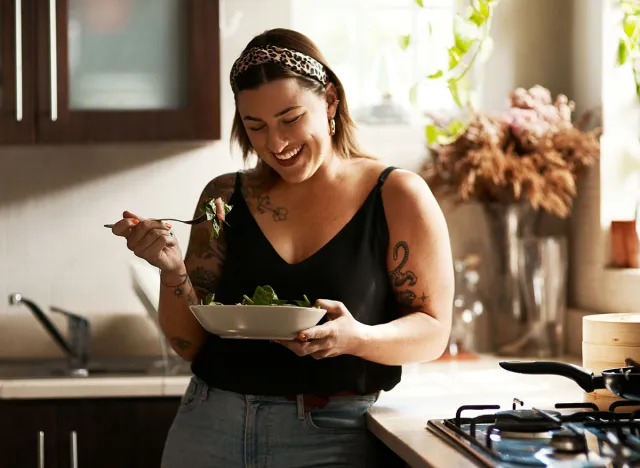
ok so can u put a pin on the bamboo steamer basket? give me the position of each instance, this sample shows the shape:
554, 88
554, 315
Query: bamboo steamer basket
607, 339
612, 329
600, 357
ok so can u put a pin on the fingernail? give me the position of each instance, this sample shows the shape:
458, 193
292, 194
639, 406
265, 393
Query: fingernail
135, 221
302, 336
168, 226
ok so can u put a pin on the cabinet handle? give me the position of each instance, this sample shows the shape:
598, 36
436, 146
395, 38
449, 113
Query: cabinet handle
18, 6
74, 449
40, 449
53, 58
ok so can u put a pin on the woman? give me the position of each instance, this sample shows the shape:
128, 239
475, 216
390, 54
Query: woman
318, 217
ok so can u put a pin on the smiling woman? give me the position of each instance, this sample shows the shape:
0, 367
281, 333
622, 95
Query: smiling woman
316, 216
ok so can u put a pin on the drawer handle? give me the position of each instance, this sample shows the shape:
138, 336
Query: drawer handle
19, 112
53, 58
40, 449
74, 449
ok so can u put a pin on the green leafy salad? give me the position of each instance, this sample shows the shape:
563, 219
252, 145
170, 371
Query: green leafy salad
264, 296
211, 210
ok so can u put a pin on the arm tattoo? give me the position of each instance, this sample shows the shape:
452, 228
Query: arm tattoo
181, 343
204, 280
404, 280
221, 187
186, 290
203, 247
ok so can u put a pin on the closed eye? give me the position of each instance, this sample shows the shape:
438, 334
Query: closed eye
257, 129
295, 119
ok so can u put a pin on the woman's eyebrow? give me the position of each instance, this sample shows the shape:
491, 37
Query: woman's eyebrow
281, 113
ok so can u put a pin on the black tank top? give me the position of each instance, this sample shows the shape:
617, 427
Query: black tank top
350, 268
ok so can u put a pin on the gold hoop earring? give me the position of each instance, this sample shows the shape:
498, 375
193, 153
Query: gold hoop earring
332, 127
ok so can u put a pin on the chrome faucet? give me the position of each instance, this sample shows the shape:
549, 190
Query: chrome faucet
77, 347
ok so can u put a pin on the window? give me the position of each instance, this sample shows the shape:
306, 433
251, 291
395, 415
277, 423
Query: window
361, 40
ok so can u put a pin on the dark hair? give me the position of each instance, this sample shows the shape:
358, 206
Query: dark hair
344, 141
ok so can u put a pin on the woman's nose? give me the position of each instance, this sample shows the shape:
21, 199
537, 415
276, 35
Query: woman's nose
276, 143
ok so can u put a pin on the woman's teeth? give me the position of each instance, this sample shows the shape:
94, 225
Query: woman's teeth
288, 154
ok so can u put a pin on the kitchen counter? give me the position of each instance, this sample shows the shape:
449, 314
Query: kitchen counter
93, 387
427, 391
437, 389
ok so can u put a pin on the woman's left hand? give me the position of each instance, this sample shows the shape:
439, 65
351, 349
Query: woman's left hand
341, 334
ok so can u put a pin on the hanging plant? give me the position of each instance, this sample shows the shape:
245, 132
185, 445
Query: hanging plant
471, 39
629, 43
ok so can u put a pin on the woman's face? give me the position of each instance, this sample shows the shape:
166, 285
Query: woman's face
288, 126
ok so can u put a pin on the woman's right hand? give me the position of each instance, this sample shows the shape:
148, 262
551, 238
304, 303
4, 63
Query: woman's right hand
150, 240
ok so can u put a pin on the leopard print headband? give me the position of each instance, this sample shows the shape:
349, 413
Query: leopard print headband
293, 60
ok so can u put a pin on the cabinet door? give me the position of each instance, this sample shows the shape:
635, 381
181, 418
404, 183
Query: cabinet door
27, 434
128, 70
122, 432
16, 72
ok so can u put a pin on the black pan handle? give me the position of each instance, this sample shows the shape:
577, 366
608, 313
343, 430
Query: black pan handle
587, 381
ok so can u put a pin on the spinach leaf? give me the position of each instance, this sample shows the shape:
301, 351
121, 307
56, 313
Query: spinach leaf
210, 209
305, 303
264, 296
210, 300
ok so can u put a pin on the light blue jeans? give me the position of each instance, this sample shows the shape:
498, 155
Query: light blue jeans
220, 429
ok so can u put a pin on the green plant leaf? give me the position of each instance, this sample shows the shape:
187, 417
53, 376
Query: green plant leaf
436, 75
404, 41
484, 9
431, 133
453, 88
454, 58
623, 53
456, 127
413, 94
629, 25
420, 3
463, 44
476, 18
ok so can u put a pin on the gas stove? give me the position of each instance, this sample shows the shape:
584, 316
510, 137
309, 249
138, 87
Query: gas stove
572, 435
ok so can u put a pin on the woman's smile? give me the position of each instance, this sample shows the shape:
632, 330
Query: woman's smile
288, 158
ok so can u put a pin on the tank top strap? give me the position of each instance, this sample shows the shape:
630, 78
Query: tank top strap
384, 175
238, 185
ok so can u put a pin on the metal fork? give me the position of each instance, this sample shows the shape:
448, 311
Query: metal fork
198, 220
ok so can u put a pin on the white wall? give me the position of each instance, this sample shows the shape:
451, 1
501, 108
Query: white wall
607, 193
54, 200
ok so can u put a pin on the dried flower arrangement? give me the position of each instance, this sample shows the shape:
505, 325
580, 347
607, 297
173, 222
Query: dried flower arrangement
532, 152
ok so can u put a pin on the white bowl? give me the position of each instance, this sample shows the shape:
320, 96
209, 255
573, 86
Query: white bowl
256, 322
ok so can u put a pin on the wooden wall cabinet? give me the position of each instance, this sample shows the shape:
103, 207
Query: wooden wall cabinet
81, 71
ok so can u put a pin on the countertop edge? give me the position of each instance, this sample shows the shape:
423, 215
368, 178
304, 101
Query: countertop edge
395, 443
102, 387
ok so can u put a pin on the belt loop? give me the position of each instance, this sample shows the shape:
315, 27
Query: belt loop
205, 392
300, 405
